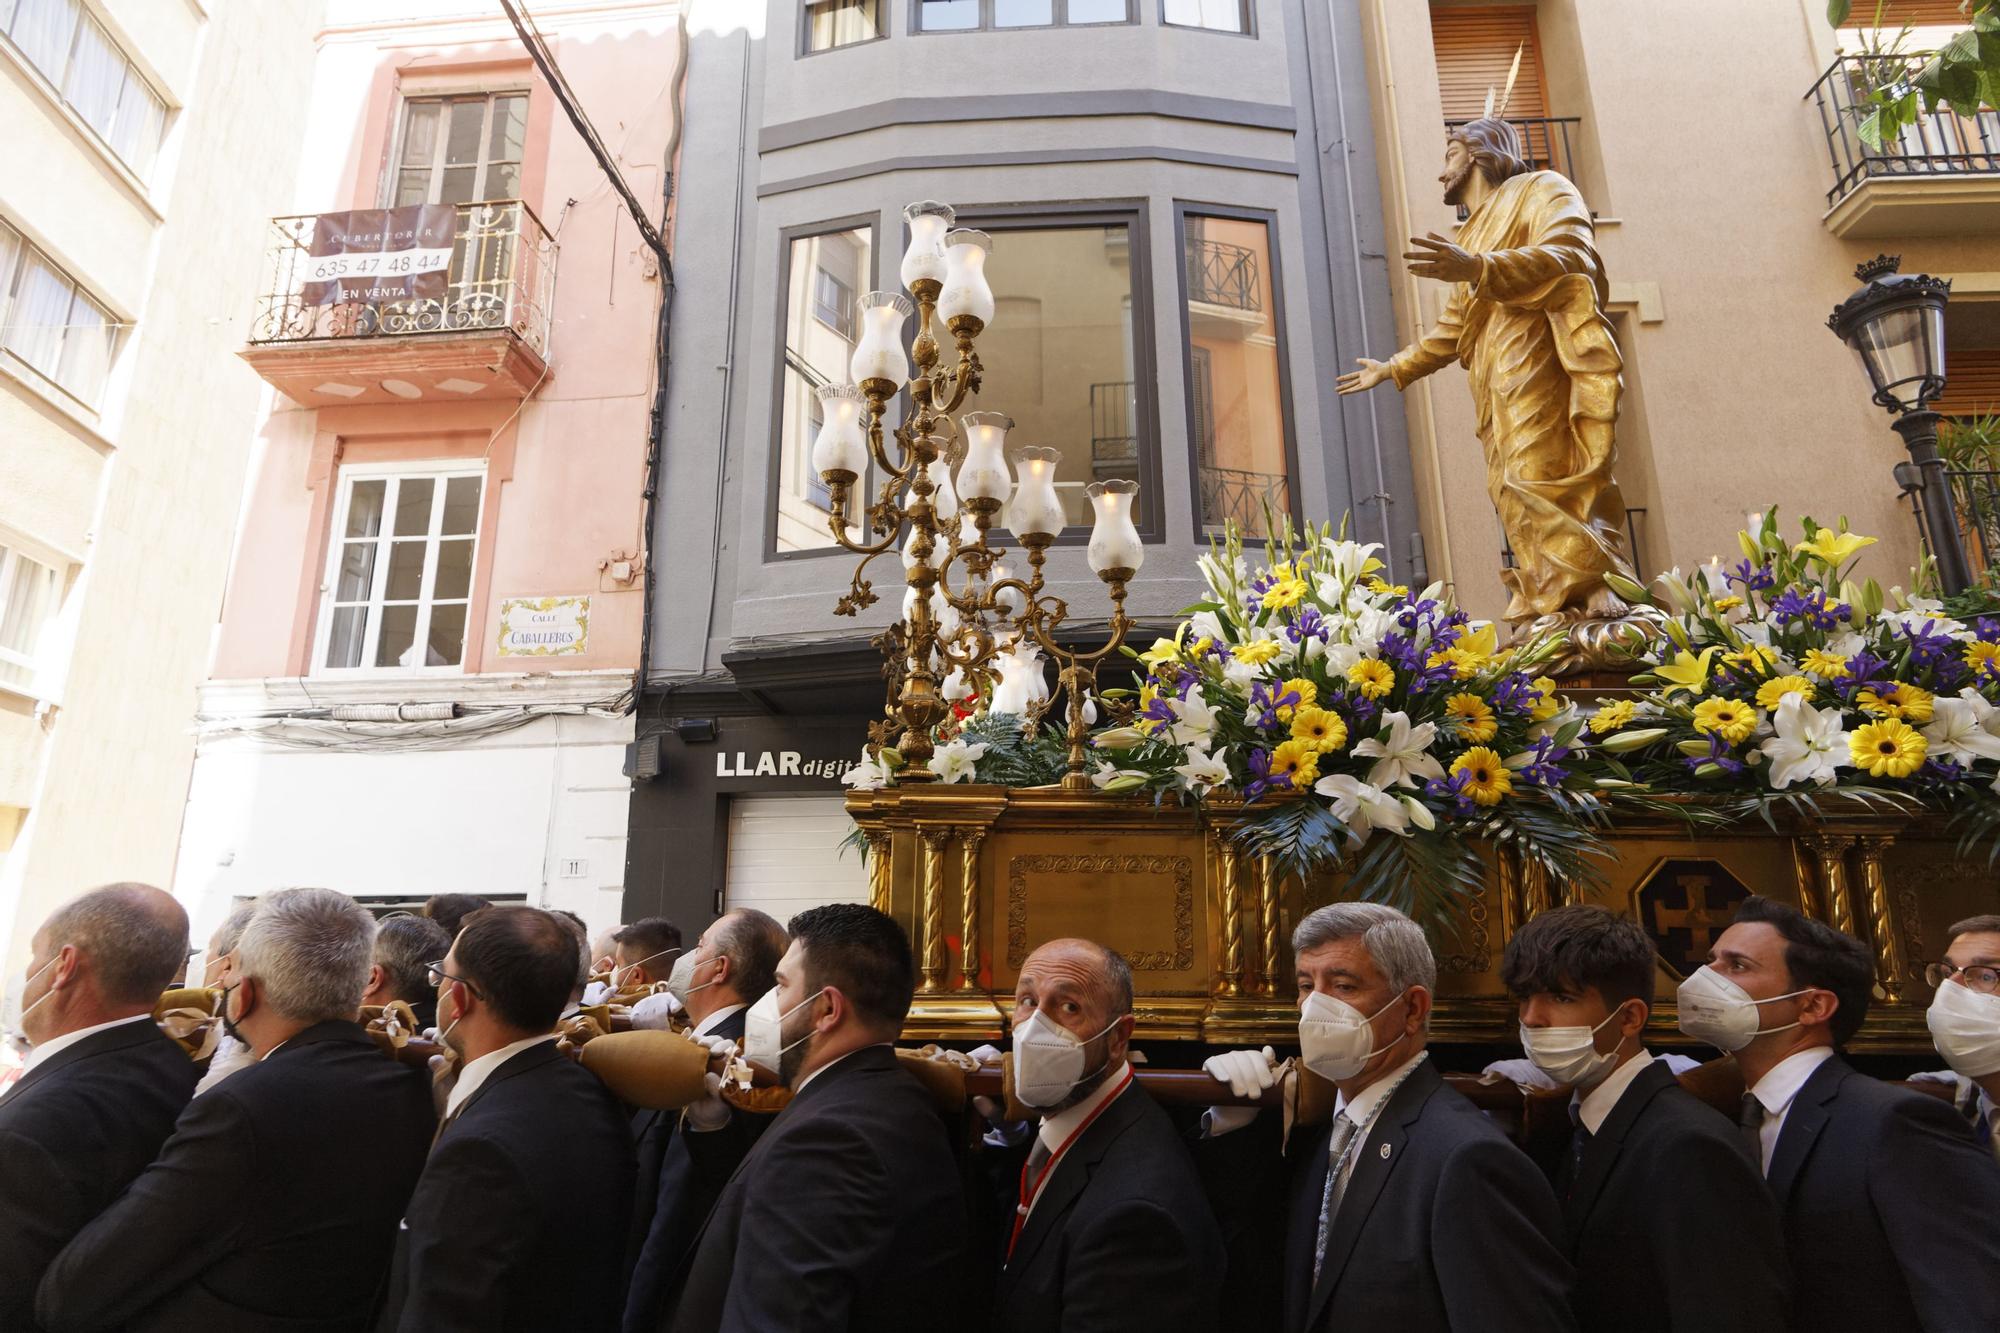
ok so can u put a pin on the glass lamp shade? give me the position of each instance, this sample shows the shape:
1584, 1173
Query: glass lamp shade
983, 474
1895, 324
965, 289
924, 259
944, 500
1009, 600
1036, 509
1114, 541
880, 354
1021, 684
840, 450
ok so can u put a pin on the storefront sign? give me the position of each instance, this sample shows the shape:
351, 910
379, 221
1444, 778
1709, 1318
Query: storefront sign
380, 254
544, 626
778, 764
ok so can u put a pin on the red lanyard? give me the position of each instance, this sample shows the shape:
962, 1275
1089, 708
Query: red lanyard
1031, 1192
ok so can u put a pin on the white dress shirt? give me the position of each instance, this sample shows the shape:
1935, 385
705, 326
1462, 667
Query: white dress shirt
1595, 1106
1364, 1106
476, 1072
1779, 1088
48, 1048
1057, 1128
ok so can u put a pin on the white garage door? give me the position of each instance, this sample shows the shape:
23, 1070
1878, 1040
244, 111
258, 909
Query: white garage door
785, 855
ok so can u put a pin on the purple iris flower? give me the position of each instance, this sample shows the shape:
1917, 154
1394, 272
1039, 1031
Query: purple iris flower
1810, 607
1309, 625
1759, 579
1718, 754
1515, 693
1929, 644
1260, 775
1987, 628
1451, 788
1542, 770
1267, 699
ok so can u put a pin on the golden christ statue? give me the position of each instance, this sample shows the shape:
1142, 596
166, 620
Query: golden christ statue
1526, 319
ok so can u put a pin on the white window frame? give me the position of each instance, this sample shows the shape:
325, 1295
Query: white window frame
133, 79
14, 263
35, 661
439, 472
1246, 11
393, 177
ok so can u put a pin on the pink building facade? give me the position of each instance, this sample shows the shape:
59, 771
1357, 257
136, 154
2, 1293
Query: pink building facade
423, 668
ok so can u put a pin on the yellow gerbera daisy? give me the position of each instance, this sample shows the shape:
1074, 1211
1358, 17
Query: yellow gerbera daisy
1773, 691
1297, 760
1753, 657
1613, 715
1257, 652
1825, 665
1371, 678
1910, 703
1983, 657
1475, 719
1731, 719
1487, 779
1887, 749
1546, 704
1326, 731
1307, 692
1375, 585
1283, 593
1729, 603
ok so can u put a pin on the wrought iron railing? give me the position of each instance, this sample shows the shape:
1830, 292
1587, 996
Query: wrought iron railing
1975, 498
1233, 493
1547, 142
1219, 273
502, 276
1114, 440
1938, 143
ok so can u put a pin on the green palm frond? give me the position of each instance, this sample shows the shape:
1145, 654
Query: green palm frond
1015, 758
1427, 878
1302, 836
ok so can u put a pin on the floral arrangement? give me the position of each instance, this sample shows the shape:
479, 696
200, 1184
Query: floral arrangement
1781, 677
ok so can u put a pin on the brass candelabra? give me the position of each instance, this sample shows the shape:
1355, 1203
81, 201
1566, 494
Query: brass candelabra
945, 634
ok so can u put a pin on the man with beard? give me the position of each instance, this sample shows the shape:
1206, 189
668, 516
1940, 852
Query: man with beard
1109, 1229
1526, 318
847, 1214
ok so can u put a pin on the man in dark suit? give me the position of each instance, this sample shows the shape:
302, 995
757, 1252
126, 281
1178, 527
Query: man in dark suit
103, 1083
1885, 1200
404, 947
733, 963
1669, 1224
1109, 1229
847, 1214
1410, 1210
503, 1231
273, 1205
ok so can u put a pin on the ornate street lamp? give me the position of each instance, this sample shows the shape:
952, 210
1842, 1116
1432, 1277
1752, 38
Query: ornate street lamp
1895, 324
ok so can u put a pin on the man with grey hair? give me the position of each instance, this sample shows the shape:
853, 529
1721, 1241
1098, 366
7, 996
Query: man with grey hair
404, 947
229, 1054
1409, 1210
103, 1084
275, 1202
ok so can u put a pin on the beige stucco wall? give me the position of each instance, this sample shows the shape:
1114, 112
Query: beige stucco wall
1709, 175
144, 494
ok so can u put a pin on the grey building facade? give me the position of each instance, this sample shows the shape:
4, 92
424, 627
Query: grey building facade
1187, 246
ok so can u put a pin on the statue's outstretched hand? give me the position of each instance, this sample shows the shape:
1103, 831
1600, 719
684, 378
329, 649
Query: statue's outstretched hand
1371, 374
1436, 257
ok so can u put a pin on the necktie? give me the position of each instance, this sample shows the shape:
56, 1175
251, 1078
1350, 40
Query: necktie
1038, 1158
1750, 1120
1579, 1139
1345, 1134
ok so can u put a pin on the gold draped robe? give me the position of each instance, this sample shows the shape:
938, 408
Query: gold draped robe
1544, 370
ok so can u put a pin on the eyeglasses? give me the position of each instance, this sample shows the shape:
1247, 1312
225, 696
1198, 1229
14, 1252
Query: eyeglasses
437, 976
1981, 978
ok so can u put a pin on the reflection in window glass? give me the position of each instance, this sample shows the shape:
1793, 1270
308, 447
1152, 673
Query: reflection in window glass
1099, 11
948, 15
831, 23
1216, 15
1023, 13
1058, 356
821, 272
402, 573
1237, 417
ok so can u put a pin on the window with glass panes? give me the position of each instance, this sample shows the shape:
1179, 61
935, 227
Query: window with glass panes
971, 15
30, 595
78, 56
400, 572
1215, 15
1236, 386
48, 322
461, 150
832, 23
822, 274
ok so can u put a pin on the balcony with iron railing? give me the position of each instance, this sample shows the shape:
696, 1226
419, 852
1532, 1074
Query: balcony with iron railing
1939, 177
1234, 494
480, 333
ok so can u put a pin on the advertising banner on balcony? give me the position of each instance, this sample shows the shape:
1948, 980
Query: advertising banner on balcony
380, 254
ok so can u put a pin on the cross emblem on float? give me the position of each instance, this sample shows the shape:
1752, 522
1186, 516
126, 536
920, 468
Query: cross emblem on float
1684, 904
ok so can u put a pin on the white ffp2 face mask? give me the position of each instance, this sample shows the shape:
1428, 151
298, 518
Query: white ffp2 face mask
1335, 1040
764, 1026
1569, 1054
1965, 1027
1048, 1061
621, 976
1716, 1010
680, 982
12, 1014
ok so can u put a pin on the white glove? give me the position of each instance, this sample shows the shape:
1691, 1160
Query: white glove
1219, 1120
710, 1112
597, 992
1248, 1073
717, 1046
988, 1054
1521, 1072
653, 1012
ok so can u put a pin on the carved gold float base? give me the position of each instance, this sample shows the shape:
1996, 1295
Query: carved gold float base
981, 875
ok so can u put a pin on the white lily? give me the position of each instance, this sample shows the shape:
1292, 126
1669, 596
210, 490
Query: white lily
1202, 771
954, 760
1125, 778
1420, 814
1809, 746
1194, 720
1119, 738
1206, 625
1402, 754
1341, 657
1348, 561
1956, 732
1363, 808
1241, 674
868, 775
